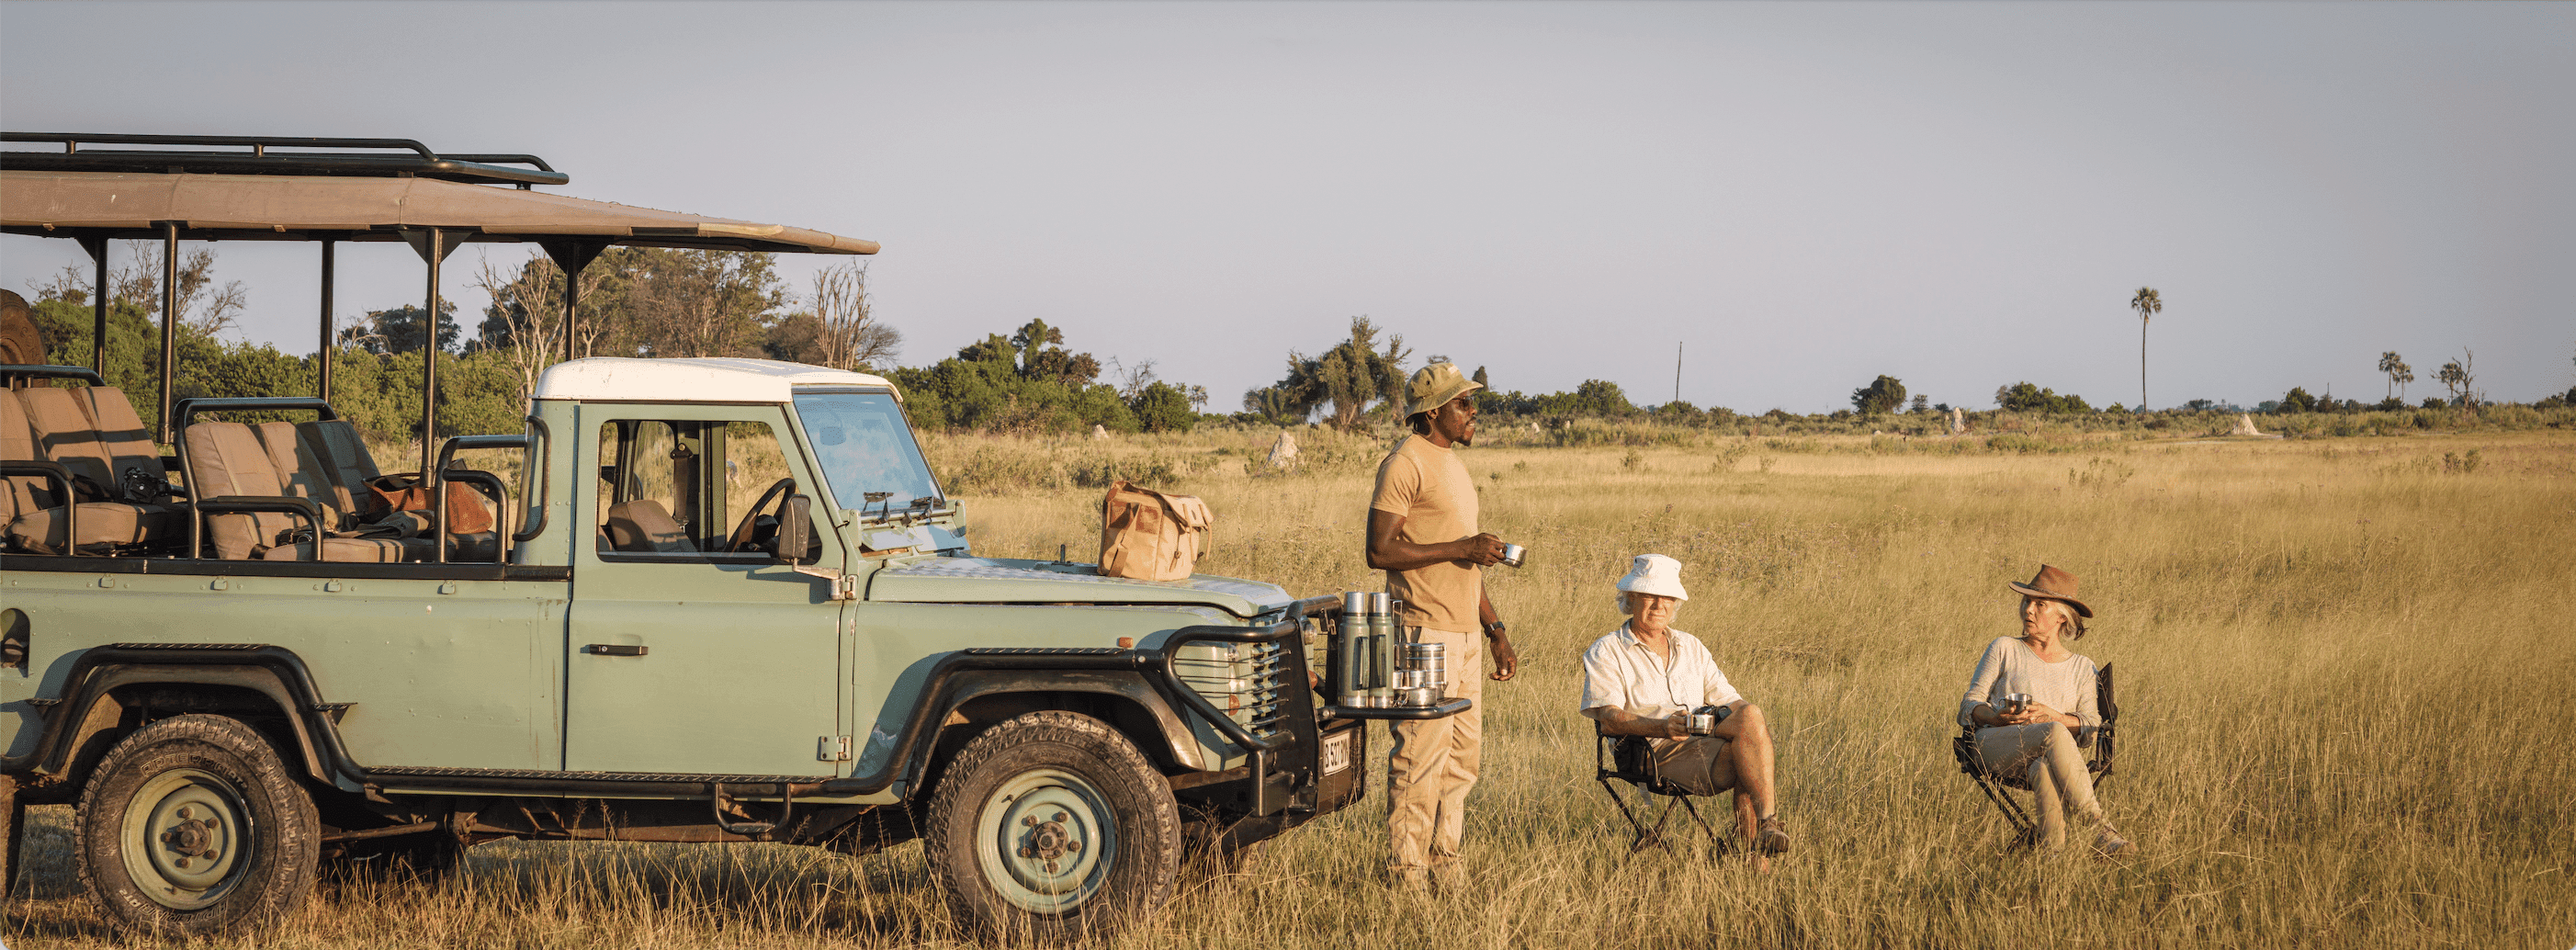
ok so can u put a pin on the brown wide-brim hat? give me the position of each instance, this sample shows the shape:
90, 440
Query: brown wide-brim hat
1434, 386
2052, 584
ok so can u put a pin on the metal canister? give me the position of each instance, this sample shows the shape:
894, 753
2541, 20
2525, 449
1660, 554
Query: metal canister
1350, 649
1390, 639
1422, 674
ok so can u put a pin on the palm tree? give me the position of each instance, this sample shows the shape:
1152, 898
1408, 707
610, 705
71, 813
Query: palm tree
2399, 374
2147, 305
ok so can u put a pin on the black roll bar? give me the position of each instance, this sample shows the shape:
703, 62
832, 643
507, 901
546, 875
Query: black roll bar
21, 372
485, 168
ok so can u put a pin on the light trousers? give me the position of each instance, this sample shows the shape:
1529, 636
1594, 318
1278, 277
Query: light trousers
1435, 762
2045, 755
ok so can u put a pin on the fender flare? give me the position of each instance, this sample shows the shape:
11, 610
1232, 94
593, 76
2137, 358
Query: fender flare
274, 672
967, 687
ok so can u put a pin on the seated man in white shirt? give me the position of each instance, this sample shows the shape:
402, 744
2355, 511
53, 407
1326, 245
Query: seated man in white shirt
1644, 678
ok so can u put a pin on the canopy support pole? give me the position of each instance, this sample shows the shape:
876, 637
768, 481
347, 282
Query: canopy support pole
169, 320
572, 256
322, 358
434, 252
97, 248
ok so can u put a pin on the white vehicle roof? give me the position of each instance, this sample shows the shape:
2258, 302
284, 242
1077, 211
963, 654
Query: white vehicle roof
704, 379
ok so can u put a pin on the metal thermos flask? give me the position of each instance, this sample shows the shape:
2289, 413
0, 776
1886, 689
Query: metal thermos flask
1350, 649
1382, 676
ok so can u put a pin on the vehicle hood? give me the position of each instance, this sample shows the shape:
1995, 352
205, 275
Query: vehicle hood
973, 580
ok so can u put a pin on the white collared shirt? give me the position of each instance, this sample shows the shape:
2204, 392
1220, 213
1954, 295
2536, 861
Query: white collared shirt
1619, 671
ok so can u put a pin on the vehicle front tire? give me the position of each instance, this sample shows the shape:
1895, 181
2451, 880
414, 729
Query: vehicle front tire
193, 826
1053, 825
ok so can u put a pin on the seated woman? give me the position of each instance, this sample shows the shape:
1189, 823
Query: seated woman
1644, 678
2034, 740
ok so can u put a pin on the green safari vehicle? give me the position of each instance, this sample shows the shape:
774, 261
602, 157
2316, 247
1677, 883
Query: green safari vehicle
719, 600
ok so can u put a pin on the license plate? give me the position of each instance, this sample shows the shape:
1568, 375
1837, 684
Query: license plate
1337, 751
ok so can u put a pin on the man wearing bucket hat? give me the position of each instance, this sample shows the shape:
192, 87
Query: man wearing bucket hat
1422, 532
2026, 700
1644, 679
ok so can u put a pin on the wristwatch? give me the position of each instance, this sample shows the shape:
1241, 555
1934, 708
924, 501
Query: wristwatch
1494, 629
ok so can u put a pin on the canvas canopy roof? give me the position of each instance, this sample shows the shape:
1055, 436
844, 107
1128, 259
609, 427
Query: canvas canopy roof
312, 207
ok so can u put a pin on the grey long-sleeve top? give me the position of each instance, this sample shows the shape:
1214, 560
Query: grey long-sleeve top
2009, 666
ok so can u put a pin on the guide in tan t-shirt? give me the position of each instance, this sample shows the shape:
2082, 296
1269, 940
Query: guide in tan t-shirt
1422, 533
1429, 488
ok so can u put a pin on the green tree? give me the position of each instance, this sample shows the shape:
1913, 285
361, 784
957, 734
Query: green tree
2459, 377
1883, 394
1162, 407
2147, 304
403, 329
1350, 377
2026, 397
2298, 400
2399, 374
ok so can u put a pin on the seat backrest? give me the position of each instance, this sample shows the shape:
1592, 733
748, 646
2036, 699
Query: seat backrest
23, 494
644, 526
336, 445
120, 433
301, 472
226, 458
65, 436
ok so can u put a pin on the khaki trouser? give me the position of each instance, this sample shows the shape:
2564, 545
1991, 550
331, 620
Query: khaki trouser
1435, 762
2045, 755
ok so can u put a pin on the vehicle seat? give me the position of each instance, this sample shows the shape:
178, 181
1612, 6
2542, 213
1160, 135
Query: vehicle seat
19, 494
115, 512
643, 526
227, 459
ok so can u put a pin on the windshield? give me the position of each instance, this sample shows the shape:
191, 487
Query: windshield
865, 447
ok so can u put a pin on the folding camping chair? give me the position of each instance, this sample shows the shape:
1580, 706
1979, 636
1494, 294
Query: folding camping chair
1631, 759
1999, 787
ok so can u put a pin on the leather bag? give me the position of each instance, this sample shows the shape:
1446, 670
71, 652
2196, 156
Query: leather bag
466, 513
1147, 535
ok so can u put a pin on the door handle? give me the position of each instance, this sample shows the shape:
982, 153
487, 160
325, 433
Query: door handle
615, 649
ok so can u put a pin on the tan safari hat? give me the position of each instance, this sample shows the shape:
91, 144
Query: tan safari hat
1433, 386
2052, 584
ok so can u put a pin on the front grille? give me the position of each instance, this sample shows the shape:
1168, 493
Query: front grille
1246, 681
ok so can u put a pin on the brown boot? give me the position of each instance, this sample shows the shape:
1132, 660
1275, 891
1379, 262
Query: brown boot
1769, 838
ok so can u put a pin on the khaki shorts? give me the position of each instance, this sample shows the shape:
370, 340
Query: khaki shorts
1693, 764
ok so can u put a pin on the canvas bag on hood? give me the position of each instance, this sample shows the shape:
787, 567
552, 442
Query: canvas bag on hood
1150, 536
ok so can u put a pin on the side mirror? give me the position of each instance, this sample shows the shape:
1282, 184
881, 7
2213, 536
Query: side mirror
795, 528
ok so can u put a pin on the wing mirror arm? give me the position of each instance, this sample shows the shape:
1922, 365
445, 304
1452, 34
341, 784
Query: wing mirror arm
795, 534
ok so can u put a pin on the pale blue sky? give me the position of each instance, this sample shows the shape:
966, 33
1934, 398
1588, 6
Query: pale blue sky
1961, 195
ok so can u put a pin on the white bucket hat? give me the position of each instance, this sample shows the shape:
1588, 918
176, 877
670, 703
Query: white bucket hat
1654, 574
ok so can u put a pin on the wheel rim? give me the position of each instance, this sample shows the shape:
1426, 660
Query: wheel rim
1047, 841
186, 838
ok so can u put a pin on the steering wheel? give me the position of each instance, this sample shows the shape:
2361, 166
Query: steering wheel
742, 533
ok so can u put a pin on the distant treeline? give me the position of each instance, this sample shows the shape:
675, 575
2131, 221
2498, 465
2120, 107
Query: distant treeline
662, 302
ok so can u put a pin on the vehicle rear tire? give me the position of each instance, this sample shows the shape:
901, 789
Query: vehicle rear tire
13, 830
193, 826
1053, 825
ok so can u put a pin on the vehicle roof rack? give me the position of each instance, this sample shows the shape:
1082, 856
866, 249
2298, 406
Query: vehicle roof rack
479, 169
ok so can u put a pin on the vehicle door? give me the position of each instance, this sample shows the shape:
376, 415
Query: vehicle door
686, 657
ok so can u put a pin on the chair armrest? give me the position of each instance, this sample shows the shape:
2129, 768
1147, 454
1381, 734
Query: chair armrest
61, 479
270, 504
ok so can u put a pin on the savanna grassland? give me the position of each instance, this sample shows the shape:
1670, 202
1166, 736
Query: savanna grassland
2345, 666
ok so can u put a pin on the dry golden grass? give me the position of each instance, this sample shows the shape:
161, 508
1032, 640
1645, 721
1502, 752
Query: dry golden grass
2343, 668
